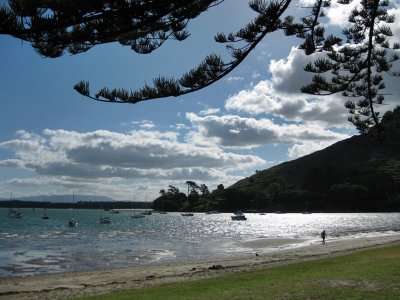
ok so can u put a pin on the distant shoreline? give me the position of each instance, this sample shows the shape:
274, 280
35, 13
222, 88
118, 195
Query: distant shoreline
70, 285
129, 205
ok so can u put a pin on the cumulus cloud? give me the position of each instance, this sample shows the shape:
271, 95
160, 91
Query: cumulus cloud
306, 147
280, 96
106, 154
338, 14
396, 25
240, 132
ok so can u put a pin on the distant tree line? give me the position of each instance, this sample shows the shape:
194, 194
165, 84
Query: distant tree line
78, 205
325, 188
198, 198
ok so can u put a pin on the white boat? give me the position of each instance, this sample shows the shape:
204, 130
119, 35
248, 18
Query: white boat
105, 220
72, 222
238, 216
187, 214
44, 215
135, 214
12, 213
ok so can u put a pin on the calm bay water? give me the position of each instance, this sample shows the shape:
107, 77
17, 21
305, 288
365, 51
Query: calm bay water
31, 245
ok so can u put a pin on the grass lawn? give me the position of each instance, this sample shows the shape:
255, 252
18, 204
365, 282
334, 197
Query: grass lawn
372, 274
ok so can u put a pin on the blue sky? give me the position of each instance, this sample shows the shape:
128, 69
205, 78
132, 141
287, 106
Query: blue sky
54, 141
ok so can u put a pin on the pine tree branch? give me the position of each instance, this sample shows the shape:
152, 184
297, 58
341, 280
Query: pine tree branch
208, 72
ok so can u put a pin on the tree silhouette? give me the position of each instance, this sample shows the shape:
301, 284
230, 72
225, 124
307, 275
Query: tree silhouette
355, 64
192, 187
204, 189
356, 68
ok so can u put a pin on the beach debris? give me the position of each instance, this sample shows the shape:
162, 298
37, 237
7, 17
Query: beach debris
216, 267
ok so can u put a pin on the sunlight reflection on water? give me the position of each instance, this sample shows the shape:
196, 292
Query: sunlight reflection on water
31, 245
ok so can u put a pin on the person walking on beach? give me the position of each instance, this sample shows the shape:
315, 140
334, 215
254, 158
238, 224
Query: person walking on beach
323, 236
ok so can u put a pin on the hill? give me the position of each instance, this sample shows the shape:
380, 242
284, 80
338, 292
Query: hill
361, 173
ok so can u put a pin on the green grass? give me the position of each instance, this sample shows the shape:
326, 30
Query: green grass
371, 274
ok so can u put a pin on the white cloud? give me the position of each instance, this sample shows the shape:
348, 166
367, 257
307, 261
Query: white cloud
147, 125
396, 25
179, 126
240, 132
105, 154
281, 96
209, 111
234, 78
338, 14
307, 147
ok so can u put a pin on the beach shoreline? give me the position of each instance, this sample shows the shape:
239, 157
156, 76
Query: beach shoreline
77, 284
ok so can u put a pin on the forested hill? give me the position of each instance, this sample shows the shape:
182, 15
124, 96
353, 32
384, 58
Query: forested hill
361, 173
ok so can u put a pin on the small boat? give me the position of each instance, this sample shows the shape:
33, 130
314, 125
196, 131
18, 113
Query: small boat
105, 220
12, 213
137, 216
187, 214
238, 216
114, 211
44, 215
72, 223
147, 213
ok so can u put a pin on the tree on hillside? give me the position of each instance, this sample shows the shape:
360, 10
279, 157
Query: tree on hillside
163, 193
192, 187
353, 66
172, 190
204, 189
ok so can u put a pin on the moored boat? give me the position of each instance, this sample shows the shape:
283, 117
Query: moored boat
72, 222
12, 213
238, 216
187, 214
137, 216
105, 220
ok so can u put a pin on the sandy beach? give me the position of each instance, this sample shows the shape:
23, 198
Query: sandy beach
70, 285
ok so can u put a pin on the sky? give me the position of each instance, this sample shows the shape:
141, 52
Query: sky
55, 141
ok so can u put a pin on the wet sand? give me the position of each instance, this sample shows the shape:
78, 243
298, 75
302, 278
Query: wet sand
70, 285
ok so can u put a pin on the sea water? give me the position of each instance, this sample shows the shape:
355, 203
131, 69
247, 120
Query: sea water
31, 245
